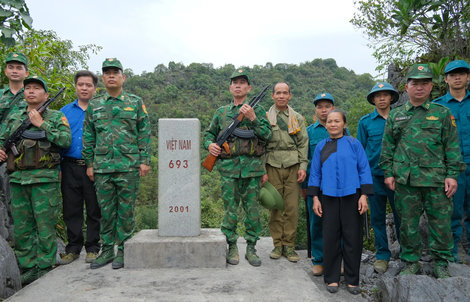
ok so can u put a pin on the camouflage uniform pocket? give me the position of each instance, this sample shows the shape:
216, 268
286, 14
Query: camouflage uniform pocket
100, 121
432, 172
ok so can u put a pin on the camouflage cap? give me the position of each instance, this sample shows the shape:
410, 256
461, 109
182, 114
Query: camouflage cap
17, 57
324, 96
419, 71
112, 62
36, 79
241, 73
457, 64
383, 87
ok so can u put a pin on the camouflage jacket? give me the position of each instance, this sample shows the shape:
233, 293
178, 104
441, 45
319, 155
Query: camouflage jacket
241, 166
6, 98
425, 152
58, 133
116, 134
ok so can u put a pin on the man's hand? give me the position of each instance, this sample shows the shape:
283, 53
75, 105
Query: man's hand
214, 149
90, 174
390, 183
317, 206
3, 156
264, 179
301, 175
450, 187
362, 205
35, 118
248, 112
144, 170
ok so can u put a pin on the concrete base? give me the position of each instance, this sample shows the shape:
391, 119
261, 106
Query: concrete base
149, 250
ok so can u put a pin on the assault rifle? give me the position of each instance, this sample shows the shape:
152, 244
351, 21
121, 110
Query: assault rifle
10, 143
232, 130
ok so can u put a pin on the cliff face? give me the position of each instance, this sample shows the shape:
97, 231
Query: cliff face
9, 273
397, 80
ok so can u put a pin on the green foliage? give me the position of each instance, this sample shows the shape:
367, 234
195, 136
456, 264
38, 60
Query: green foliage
146, 217
440, 87
14, 18
52, 58
406, 31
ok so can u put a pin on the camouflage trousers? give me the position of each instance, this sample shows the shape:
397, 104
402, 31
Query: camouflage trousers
409, 203
246, 190
116, 194
35, 210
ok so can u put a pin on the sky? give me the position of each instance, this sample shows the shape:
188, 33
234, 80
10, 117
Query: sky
145, 33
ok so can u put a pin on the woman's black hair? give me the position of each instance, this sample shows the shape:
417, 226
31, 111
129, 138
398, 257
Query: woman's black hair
343, 115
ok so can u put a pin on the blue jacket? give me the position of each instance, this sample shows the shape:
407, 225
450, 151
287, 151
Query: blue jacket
461, 120
316, 133
370, 132
339, 168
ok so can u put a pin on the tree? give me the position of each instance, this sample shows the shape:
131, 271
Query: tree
403, 31
52, 58
14, 17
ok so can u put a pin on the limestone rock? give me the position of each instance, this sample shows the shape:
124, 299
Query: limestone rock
417, 288
9, 273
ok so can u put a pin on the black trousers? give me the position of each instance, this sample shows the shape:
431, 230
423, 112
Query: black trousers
341, 220
77, 188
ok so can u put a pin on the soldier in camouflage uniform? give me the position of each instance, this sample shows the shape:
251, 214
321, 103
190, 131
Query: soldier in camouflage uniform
34, 181
116, 150
421, 162
242, 170
12, 96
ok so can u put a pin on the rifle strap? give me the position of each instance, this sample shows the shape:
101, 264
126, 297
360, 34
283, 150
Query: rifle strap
283, 126
12, 104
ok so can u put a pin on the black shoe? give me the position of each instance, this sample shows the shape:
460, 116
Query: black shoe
332, 289
354, 290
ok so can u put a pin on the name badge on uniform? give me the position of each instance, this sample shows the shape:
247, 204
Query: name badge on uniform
98, 108
401, 118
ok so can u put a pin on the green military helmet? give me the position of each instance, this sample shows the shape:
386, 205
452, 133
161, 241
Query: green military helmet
383, 87
17, 57
324, 96
36, 79
419, 71
270, 198
457, 64
241, 72
112, 62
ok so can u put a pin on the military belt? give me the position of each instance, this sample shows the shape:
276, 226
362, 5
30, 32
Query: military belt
78, 162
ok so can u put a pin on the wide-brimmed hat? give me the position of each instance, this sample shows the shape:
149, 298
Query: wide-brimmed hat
383, 87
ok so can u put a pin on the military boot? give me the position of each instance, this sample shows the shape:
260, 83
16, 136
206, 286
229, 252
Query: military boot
43, 271
441, 269
232, 255
290, 254
106, 257
29, 276
251, 256
118, 262
411, 268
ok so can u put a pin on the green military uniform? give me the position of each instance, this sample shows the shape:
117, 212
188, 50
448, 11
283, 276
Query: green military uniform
9, 102
240, 174
285, 155
116, 141
35, 187
420, 150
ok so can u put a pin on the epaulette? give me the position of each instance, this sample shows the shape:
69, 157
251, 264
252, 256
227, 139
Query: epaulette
365, 116
438, 99
437, 104
309, 126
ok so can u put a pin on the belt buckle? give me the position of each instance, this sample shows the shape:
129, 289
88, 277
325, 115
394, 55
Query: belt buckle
80, 162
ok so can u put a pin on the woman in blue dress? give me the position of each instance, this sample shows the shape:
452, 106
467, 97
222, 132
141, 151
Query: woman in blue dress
340, 175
